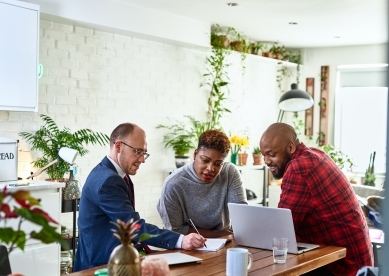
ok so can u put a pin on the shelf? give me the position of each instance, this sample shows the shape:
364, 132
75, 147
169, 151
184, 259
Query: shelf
268, 60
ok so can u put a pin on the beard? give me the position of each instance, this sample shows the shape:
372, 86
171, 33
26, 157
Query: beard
281, 169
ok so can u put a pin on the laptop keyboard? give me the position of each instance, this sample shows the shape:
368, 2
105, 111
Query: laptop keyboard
301, 248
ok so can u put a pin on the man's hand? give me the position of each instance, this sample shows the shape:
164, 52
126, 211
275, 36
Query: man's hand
192, 241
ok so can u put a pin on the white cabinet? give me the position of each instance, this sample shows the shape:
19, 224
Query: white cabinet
38, 258
19, 55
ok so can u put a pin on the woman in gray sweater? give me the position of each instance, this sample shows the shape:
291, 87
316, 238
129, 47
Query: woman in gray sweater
201, 190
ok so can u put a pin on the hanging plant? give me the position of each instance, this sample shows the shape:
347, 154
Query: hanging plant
217, 81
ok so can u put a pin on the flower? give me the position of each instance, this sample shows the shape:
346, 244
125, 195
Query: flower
237, 142
26, 211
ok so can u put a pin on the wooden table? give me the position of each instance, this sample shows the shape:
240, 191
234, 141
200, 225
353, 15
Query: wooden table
214, 263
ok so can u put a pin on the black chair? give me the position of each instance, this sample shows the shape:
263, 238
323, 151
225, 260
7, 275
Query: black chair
5, 266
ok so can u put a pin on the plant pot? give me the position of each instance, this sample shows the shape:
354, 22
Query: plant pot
234, 158
266, 54
219, 41
182, 161
258, 160
242, 159
237, 46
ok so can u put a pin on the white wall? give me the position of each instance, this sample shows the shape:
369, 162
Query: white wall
129, 19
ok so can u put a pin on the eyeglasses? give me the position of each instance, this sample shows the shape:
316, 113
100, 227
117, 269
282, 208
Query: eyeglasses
138, 152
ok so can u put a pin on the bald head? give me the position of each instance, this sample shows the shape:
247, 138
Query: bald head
280, 133
277, 144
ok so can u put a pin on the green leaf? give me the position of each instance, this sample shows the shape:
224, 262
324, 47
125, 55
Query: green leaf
145, 236
9, 236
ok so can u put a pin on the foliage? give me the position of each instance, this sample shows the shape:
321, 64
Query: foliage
179, 138
217, 81
282, 72
369, 174
256, 150
24, 207
127, 232
237, 143
298, 124
49, 139
338, 157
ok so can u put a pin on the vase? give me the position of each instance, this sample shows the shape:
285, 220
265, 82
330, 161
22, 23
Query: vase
234, 158
124, 261
181, 161
242, 159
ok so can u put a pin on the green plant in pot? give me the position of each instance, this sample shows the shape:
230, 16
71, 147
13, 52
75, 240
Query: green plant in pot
181, 140
49, 139
257, 156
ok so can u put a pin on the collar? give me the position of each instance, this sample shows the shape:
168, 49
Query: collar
118, 169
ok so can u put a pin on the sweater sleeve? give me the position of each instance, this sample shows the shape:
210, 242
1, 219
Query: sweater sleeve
236, 192
171, 208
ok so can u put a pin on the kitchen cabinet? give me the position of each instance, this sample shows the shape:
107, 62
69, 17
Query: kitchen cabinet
19, 55
39, 258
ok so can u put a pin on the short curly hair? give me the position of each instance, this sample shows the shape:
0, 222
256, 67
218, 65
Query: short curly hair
214, 139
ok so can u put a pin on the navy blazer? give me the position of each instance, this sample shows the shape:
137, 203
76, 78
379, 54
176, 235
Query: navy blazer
105, 198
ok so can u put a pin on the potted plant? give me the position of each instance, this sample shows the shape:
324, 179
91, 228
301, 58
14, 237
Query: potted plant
369, 174
49, 139
237, 142
219, 39
257, 156
181, 140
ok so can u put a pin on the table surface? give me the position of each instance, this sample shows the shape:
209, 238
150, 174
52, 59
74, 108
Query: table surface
214, 263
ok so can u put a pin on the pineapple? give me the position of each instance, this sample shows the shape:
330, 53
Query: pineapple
124, 259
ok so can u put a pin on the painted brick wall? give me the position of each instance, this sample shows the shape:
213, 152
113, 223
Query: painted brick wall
97, 79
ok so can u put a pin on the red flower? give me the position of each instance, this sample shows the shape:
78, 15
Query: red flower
44, 214
7, 211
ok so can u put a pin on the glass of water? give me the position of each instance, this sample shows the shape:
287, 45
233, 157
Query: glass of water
280, 250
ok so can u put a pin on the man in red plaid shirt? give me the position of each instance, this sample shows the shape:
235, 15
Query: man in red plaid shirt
324, 207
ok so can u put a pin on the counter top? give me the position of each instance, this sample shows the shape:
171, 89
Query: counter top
31, 185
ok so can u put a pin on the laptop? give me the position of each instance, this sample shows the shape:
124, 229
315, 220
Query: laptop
177, 258
256, 226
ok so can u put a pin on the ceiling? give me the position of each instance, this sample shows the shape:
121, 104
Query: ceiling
319, 22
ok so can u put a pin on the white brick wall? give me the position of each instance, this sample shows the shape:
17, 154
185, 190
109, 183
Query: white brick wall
94, 79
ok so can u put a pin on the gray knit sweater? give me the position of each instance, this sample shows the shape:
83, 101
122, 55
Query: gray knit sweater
185, 196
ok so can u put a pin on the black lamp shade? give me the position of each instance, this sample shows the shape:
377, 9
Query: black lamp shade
295, 100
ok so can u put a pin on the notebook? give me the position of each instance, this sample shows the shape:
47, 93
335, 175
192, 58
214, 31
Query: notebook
256, 226
213, 245
177, 258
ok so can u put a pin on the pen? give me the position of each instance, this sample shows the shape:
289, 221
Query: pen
194, 227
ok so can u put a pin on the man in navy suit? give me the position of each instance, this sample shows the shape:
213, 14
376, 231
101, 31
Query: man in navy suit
106, 197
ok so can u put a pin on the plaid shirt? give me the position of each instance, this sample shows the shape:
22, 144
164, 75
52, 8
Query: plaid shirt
325, 209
